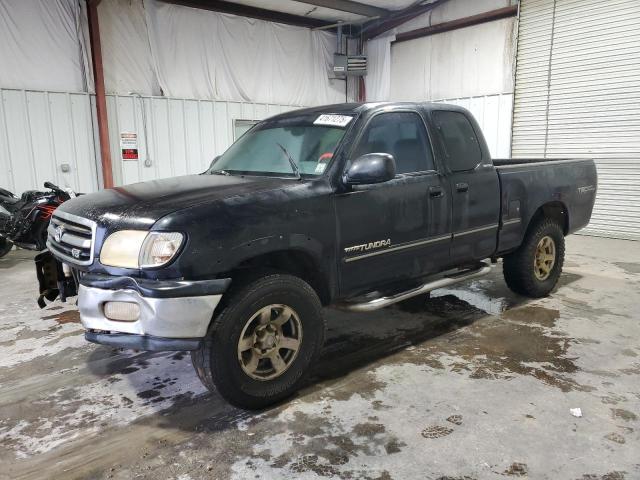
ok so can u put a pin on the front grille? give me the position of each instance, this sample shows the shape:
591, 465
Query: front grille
71, 238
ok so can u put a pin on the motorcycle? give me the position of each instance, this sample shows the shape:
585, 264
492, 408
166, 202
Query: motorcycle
24, 220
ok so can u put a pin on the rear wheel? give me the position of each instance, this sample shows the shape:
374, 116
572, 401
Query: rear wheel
533, 270
262, 342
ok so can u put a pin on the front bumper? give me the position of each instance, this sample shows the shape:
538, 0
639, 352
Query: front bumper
174, 314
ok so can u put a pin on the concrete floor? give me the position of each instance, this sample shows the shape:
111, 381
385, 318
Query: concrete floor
478, 385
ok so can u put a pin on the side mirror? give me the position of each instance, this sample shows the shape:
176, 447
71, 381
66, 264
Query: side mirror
370, 168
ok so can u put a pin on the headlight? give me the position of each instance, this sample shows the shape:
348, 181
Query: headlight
122, 249
139, 248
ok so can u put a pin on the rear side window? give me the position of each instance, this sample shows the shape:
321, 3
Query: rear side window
401, 134
459, 139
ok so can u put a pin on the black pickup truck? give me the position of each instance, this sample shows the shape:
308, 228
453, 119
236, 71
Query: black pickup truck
355, 205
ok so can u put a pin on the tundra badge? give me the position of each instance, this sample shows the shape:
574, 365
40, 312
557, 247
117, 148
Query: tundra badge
368, 246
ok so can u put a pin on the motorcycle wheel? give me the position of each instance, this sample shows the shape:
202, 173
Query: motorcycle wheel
5, 246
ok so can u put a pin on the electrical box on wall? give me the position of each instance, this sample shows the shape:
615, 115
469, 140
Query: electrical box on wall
349, 65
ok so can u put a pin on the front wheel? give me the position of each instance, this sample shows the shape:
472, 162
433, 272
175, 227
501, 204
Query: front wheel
533, 270
262, 342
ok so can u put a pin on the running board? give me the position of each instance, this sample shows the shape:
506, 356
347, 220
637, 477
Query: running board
383, 302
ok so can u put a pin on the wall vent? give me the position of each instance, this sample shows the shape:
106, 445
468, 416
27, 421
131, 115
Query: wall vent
349, 65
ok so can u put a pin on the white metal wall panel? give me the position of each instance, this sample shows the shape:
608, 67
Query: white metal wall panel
532, 78
182, 136
493, 113
578, 95
596, 52
39, 132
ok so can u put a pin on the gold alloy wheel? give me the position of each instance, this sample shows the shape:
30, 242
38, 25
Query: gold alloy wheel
545, 258
269, 342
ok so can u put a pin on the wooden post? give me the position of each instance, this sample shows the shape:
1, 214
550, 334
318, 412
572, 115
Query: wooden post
101, 99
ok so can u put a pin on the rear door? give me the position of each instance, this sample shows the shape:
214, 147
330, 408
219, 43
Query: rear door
474, 186
399, 229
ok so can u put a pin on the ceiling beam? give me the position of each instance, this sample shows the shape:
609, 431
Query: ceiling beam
378, 27
484, 17
252, 12
349, 6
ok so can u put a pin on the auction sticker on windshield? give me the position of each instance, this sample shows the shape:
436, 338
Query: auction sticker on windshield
333, 120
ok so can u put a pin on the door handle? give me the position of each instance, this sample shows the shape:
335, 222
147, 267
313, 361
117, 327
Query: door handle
436, 192
462, 187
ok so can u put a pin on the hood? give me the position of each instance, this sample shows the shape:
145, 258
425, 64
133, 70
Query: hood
140, 205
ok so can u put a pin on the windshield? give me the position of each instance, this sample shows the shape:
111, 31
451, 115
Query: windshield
281, 148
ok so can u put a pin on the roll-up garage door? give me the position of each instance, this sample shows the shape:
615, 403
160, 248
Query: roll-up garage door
577, 94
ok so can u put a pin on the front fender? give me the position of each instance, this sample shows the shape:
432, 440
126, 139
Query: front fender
244, 251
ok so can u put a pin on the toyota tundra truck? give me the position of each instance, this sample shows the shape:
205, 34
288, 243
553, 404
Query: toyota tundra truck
359, 206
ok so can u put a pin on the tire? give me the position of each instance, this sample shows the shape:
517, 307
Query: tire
221, 366
530, 277
5, 246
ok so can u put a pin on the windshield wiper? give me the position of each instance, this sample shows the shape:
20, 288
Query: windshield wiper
294, 165
220, 172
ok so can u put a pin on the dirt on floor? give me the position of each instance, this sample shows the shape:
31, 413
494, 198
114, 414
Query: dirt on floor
476, 385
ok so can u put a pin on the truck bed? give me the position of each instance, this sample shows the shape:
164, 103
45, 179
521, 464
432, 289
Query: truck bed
527, 184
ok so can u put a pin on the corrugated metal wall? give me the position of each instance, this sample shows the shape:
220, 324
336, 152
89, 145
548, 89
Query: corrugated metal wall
182, 136
577, 94
493, 113
42, 131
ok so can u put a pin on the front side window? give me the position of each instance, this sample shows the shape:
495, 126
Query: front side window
272, 146
459, 140
401, 134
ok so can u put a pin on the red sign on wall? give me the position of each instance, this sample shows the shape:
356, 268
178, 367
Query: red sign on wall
129, 145
129, 154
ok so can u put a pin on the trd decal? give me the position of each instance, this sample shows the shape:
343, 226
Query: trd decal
587, 188
368, 246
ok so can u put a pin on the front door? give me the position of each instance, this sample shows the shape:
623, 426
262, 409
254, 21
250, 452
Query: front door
399, 229
474, 185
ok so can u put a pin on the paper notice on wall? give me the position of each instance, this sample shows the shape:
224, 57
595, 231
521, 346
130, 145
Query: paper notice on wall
129, 145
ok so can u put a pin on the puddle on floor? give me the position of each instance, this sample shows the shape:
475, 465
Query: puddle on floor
69, 316
477, 297
629, 267
522, 341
